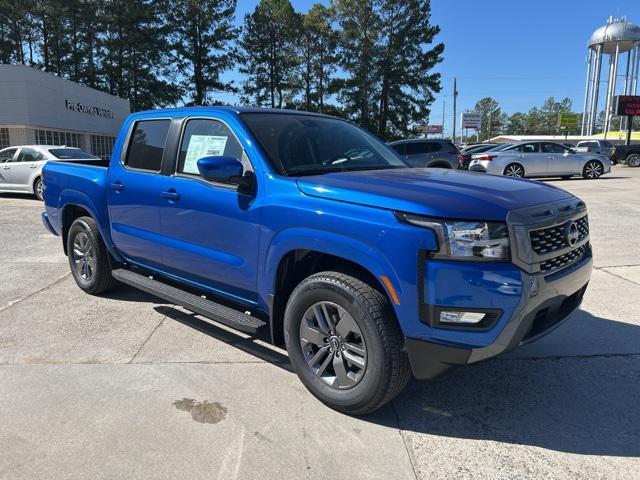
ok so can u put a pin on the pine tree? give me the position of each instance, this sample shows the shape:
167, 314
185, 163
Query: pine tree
358, 40
407, 83
492, 118
268, 45
134, 56
202, 37
316, 50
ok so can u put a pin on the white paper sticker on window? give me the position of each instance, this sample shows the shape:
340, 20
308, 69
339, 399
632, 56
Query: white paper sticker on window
202, 146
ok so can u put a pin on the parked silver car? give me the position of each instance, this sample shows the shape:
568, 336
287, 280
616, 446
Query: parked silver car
425, 152
540, 159
21, 167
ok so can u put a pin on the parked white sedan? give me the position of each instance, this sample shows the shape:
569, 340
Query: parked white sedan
540, 159
21, 167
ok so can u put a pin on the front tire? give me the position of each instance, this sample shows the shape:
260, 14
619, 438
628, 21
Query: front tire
344, 343
592, 170
514, 170
38, 189
88, 257
633, 160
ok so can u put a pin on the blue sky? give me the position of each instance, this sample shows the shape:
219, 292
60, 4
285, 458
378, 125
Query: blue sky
519, 52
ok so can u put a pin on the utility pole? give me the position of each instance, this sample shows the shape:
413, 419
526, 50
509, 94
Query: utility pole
443, 105
455, 113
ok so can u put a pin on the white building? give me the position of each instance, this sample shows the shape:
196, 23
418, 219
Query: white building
40, 108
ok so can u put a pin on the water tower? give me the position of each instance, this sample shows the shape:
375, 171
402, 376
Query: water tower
620, 41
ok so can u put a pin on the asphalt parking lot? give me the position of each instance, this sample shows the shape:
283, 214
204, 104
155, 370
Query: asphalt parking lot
127, 386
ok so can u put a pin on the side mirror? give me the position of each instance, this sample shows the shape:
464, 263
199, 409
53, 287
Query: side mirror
223, 169
219, 169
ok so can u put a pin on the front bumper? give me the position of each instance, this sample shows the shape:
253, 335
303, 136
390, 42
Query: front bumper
537, 313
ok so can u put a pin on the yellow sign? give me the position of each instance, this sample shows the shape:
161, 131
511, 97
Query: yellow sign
568, 120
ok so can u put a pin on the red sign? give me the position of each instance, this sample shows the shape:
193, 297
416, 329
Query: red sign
433, 129
627, 105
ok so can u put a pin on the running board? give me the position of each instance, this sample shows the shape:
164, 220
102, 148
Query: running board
214, 311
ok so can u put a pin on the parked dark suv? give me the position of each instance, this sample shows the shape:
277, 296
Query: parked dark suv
436, 153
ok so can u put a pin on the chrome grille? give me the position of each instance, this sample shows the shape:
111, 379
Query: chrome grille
565, 260
550, 239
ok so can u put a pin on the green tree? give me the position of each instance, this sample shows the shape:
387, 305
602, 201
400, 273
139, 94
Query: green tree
549, 115
405, 63
134, 54
361, 31
202, 34
268, 44
316, 46
18, 37
516, 124
492, 118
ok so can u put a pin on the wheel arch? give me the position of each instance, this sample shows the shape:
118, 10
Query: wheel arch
288, 266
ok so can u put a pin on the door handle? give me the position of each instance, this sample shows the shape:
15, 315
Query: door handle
33, 166
117, 186
6, 167
171, 195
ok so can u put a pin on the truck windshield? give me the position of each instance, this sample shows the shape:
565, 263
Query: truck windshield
308, 145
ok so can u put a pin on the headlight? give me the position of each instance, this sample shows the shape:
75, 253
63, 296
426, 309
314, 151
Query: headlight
465, 239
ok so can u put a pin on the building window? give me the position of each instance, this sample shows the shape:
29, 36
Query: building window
102, 146
4, 137
55, 137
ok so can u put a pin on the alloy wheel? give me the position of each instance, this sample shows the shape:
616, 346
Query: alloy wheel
39, 190
84, 257
633, 160
333, 345
593, 169
514, 171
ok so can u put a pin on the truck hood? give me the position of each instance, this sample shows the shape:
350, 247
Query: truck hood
433, 192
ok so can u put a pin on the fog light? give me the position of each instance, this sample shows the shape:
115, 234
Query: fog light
468, 318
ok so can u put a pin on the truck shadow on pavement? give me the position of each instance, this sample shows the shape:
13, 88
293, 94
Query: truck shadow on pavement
238, 340
563, 395
583, 403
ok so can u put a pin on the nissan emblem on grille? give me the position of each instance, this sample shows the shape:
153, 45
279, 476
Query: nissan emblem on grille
572, 233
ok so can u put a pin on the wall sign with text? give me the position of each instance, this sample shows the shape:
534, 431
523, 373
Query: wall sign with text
88, 109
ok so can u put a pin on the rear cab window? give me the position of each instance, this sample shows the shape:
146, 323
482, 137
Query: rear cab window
146, 146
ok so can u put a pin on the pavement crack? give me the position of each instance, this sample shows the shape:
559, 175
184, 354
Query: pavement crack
404, 440
15, 302
619, 276
147, 339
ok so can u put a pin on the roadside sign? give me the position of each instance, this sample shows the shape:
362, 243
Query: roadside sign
471, 120
433, 129
568, 120
627, 105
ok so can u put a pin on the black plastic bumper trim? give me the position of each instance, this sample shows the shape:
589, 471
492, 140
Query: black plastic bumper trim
430, 360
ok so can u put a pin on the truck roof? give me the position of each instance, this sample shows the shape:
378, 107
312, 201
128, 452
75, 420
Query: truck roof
232, 109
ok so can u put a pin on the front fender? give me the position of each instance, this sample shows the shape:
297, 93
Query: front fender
367, 255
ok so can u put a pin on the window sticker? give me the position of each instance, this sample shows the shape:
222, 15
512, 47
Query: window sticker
203, 146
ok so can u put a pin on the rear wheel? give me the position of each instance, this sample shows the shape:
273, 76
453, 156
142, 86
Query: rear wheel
344, 343
38, 189
592, 170
88, 257
514, 170
633, 160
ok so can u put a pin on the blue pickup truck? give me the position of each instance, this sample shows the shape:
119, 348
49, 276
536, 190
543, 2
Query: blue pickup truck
308, 231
